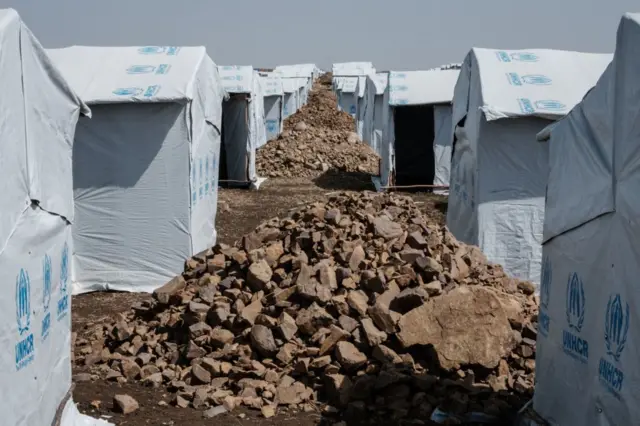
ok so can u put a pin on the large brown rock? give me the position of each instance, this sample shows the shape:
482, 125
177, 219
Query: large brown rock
466, 326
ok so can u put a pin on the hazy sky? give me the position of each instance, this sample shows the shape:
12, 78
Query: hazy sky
398, 34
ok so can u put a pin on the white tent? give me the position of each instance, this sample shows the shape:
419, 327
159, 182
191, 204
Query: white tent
498, 171
304, 74
145, 167
588, 334
39, 116
273, 105
417, 146
243, 123
380, 110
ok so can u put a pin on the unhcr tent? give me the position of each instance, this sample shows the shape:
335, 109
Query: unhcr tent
366, 104
39, 116
588, 324
343, 74
498, 170
417, 147
145, 167
273, 105
243, 128
304, 74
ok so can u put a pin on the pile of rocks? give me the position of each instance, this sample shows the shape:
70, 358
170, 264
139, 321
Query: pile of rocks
316, 139
358, 303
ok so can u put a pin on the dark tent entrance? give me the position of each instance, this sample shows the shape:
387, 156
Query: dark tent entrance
414, 134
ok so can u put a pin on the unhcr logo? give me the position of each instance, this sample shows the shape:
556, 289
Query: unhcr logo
159, 50
616, 329
46, 296
572, 344
194, 192
128, 91
24, 349
545, 286
550, 105
537, 80
526, 106
352, 110
206, 175
201, 176
151, 91
63, 302
504, 56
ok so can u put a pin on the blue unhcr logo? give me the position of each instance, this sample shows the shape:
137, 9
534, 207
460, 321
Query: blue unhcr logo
398, 75
141, 69
616, 329
401, 102
550, 105
272, 126
163, 69
537, 79
63, 302
514, 79
573, 345
526, 106
151, 91
214, 172
24, 349
352, 110
401, 88
128, 91
545, 287
152, 50
46, 296
504, 56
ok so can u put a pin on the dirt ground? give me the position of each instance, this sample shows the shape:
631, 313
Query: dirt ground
239, 211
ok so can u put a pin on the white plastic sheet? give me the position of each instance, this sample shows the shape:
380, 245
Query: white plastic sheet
442, 145
38, 116
588, 339
366, 105
498, 170
380, 111
145, 173
353, 69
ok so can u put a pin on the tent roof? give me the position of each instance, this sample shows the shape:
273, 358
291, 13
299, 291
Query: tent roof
540, 82
237, 78
298, 70
130, 74
422, 87
353, 69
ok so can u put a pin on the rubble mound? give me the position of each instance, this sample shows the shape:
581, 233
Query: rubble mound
316, 139
359, 303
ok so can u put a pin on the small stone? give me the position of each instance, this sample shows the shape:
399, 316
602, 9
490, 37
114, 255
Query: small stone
259, 275
349, 356
214, 411
268, 411
262, 340
125, 404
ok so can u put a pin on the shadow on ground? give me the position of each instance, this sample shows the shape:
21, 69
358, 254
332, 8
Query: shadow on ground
344, 181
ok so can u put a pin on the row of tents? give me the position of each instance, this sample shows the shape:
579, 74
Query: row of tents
539, 149
112, 158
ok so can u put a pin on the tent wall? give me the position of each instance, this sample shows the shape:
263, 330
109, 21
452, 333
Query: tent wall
348, 102
130, 169
273, 116
442, 144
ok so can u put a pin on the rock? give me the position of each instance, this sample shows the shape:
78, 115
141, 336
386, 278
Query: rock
311, 319
348, 324
465, 326
164, 293
382, 318
259, 275
372, 334
214, 411
201, 375
434, 288
125, 404
268, 411
338, 388
251, 312
386, 228
408, 299
356, 258
359, 301
300, 127
337, 334
262, 340
349, 356
287, 327
386, 355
